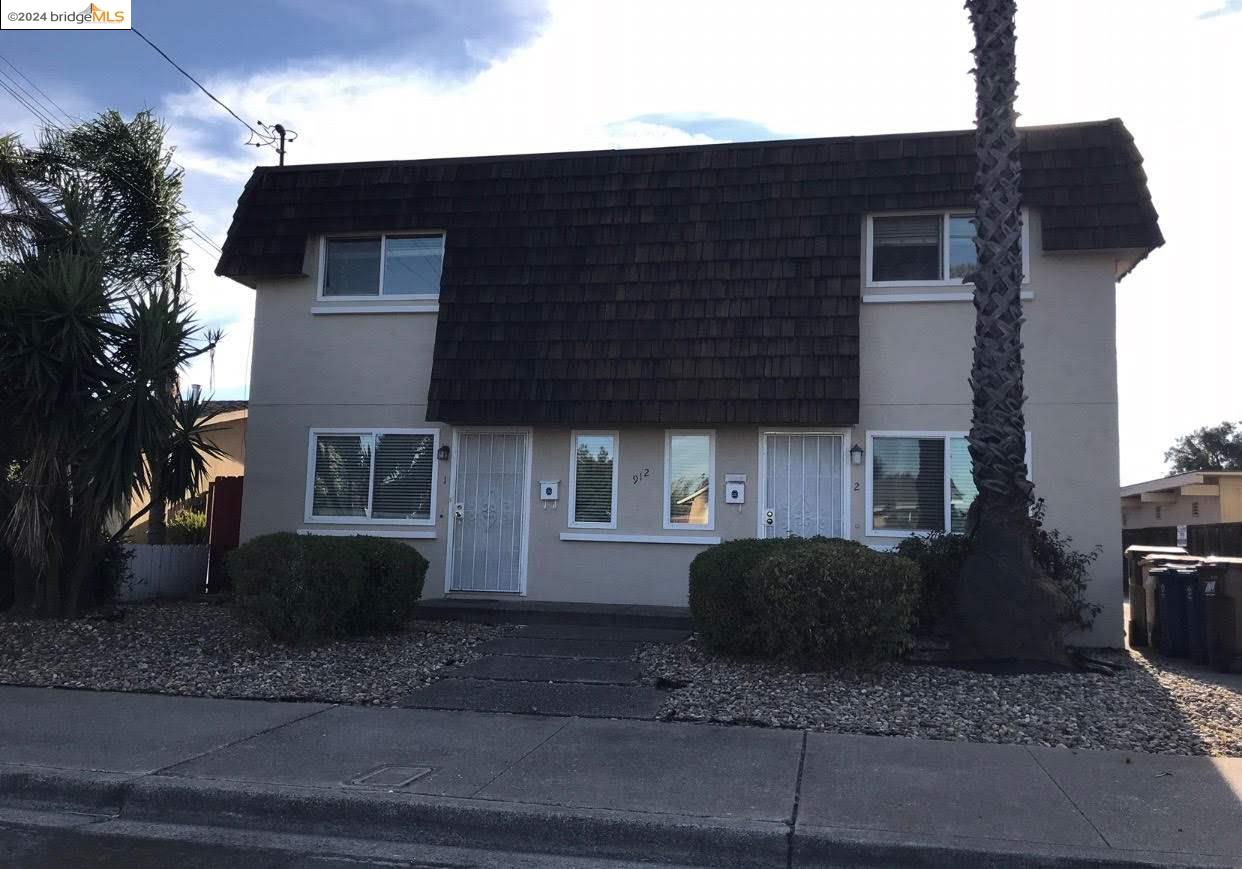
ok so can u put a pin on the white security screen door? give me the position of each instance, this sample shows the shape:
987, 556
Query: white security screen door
489, 512
804, 485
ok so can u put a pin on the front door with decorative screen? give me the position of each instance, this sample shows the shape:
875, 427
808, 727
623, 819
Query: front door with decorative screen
804, 485
490, 494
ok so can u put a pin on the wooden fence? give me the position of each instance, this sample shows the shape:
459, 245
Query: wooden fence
164, 571
1223, 538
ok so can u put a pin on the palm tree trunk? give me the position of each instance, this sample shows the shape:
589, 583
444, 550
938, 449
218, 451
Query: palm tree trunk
1004, 610
157, 519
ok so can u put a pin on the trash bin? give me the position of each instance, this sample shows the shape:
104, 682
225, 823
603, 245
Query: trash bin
1171, 610
1139, 593
1222, 590
1135, 554
1151, 599
1196, 615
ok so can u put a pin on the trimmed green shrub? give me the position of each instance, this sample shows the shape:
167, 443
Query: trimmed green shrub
833, 601
188, 527
940, 557
304, 587
718, 603
392, 585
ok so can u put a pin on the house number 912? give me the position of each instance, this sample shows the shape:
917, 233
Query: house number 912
642, 475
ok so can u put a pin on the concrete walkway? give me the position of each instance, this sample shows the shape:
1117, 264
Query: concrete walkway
623, 789
554, 669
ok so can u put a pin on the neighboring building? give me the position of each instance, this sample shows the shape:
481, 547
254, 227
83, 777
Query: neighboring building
563, 375
227, 430
1198, 498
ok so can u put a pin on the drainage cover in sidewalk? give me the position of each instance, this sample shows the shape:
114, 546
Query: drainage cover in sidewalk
389, 777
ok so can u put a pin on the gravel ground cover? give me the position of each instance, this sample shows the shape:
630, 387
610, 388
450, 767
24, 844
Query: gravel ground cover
209, 650
1159, 707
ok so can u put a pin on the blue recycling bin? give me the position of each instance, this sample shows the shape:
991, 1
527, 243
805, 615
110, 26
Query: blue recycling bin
1172, 611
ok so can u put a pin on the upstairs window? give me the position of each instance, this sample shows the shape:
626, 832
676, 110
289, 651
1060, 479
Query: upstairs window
383, 477
926, 249
405, 266
593, 480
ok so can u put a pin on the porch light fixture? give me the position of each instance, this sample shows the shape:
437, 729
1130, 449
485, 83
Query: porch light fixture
856, 454
443, 453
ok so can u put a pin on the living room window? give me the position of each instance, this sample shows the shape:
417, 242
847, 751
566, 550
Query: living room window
689, 466
389, 266
919, 482
593, 480
384, 476
924, 249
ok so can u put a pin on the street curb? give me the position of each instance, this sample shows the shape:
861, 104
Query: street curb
484, 824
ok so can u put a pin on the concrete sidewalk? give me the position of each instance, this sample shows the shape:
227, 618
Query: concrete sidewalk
677, 793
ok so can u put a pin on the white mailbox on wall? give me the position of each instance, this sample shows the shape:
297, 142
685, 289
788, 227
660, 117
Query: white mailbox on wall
735, 489
549, 490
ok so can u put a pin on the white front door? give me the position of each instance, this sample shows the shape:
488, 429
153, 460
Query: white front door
804, 485
491, 488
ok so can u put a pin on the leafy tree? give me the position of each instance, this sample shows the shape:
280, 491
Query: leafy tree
1003, 608
93, 329
1211, 448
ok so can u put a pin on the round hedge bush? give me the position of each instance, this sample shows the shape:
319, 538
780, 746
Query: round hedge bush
719, 607
830, 602
304, 587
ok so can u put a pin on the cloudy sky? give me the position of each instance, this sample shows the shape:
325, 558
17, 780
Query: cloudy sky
427, 78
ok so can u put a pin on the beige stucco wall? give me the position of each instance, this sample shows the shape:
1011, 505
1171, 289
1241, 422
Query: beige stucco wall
371, 370
1180, 512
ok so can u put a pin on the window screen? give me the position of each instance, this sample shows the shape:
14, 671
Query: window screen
906, 248
962, 255
594, 479
342, 474
403, 476
907, 484
351, 267
412, 265
689, 479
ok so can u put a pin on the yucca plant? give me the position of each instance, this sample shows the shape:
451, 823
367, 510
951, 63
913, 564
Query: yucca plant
92, 335
1003, 608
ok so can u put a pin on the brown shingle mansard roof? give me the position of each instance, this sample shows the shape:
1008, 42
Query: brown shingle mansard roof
705, 284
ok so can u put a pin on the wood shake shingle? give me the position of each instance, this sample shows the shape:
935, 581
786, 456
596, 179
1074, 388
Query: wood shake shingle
675, 286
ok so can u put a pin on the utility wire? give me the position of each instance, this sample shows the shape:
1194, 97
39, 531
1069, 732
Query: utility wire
44, 114
197, 83
36, 87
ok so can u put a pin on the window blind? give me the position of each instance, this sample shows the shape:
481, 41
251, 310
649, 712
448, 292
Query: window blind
342, 475
908, 484
404, 465
594, 465
906, 248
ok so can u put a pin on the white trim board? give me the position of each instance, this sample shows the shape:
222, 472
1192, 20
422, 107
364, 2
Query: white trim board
637, 538
374, 309
930, 296
369, 532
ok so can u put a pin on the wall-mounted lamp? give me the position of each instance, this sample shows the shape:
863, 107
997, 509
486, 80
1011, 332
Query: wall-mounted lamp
443, 453
856, 454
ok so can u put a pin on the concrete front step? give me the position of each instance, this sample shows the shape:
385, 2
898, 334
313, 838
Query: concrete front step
596, 632
538, 647
513, 668
539, 698
526, 612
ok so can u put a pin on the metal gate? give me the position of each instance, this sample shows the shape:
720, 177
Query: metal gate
804, 485
491, 488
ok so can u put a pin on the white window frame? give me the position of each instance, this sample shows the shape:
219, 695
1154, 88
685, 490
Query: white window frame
367, 520
573, 475
948, 437
669, 524
945, 215
379, 293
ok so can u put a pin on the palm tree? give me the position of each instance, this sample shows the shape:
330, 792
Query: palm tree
1004, 609
92, 335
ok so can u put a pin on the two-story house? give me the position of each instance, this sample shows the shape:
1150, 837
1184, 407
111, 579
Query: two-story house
563, 375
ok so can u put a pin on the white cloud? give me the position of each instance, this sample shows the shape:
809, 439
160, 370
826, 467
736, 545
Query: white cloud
815, 68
